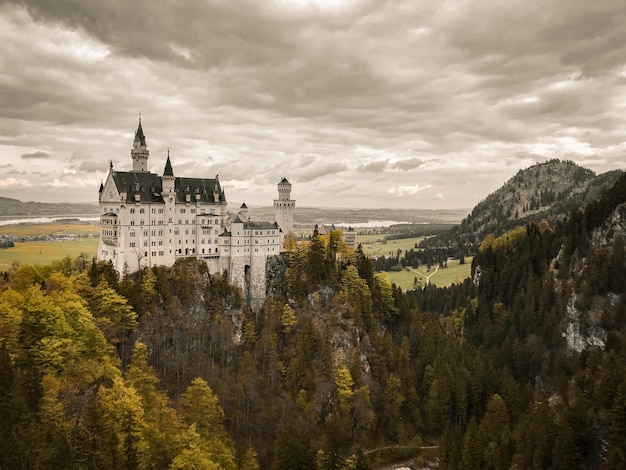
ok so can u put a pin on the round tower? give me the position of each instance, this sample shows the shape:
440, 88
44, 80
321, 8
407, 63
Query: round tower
284, 206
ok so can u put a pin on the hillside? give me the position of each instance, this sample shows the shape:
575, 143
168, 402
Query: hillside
545, 191
13, 208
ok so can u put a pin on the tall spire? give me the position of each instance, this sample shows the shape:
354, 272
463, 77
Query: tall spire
139, 152
139, 137
168, 166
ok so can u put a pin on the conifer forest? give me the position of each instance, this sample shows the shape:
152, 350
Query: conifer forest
523, 365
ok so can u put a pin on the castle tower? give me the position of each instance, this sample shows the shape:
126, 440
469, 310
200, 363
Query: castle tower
139, 152
284, 206
169, 198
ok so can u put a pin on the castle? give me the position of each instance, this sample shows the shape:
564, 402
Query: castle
152, 220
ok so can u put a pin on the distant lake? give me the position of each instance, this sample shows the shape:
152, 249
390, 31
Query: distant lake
46, 220
370, 224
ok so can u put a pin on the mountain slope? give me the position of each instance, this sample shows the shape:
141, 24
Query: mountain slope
15, 207
546, 191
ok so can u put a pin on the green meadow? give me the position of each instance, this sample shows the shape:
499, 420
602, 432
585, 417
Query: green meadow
41, 252
453, 274
377, 245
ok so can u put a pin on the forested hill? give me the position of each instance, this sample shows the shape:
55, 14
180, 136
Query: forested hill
543, 327
523, 366
13, 207
545, 191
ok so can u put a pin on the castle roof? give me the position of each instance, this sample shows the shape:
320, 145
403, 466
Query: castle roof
168, 166
260, 225
139, 135
284, 180
149, 187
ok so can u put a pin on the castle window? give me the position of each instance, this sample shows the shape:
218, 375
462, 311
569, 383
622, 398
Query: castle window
142, 210
132, 210
132, 234
132, 244
141, 222
161, 211
154, 233
193, 211
160, 253
216, 222
182, 211
145, 243
145, 233
132, 222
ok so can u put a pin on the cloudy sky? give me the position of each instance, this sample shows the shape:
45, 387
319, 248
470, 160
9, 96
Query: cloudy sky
359, 103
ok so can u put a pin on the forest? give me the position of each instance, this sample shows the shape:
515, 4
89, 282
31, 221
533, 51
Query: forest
521, 366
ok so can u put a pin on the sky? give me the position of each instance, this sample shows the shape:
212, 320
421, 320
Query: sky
424, 104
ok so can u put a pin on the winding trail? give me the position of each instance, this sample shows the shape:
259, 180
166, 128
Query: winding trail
424, 275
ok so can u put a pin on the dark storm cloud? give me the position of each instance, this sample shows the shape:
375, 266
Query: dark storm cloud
374, 167
320, 171
420, 94
35, 155
409, 164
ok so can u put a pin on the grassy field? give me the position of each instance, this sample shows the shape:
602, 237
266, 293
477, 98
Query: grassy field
46, 252
454, 273
28, 230
376, 245
39, 252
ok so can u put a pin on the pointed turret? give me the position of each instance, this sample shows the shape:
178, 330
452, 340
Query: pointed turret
168, 176
139, 137
139, 152
243, 210
168, 166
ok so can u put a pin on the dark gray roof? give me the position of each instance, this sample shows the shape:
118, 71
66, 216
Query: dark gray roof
284, 180
168, 166
260, 225
149, 187
139, 135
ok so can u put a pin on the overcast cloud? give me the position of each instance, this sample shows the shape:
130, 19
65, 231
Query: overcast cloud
359, 103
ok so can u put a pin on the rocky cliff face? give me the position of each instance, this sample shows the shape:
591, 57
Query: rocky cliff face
585, 324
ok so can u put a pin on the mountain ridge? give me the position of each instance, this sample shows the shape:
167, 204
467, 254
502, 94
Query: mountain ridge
544, 191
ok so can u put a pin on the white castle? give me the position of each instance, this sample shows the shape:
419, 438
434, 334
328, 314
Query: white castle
152, 220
